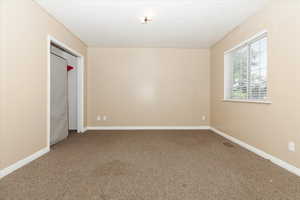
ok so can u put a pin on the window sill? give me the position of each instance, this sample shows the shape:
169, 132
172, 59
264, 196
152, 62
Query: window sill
248, 101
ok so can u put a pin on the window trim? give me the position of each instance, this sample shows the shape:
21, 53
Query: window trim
247, 42
248, 101
250, 40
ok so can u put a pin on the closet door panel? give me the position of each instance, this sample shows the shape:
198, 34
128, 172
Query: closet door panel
59, 99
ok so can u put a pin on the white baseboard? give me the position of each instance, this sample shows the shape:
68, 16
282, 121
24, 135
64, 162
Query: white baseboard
84, 129
148, 128
21, 163
259, 152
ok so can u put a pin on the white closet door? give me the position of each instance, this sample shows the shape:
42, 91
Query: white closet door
59, 99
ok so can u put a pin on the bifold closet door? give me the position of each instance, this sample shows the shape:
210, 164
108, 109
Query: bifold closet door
59, 99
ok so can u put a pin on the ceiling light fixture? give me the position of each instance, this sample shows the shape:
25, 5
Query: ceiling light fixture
146, 20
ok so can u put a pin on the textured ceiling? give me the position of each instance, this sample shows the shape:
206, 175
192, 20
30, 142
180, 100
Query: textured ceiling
176, 23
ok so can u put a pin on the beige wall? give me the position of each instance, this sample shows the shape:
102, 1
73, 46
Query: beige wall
267, 127
25, 27
1, 77
148, 87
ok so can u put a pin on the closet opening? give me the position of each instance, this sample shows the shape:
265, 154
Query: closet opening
65, 92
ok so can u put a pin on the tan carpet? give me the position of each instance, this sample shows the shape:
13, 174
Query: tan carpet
150, 165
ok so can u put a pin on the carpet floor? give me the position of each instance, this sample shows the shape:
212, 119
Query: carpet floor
149, 165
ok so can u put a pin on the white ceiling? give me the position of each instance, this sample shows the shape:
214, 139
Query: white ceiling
176, 23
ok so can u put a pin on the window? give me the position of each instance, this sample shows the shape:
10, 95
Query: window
246, 70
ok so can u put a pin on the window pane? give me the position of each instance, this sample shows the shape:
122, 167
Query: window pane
239, 76
258, 70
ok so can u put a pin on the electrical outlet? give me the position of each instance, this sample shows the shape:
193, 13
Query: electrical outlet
104, 118
203, 118
98, 118
292, 146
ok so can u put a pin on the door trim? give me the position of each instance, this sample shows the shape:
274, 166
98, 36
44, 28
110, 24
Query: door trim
80, 85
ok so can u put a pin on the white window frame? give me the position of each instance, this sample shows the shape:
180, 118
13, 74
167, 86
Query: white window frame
228, 70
